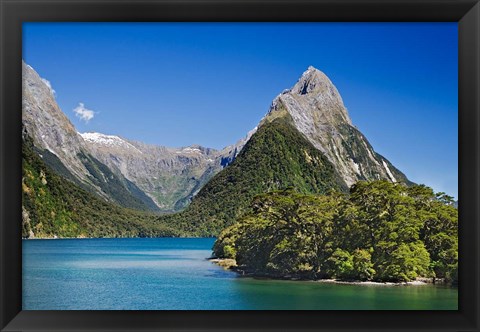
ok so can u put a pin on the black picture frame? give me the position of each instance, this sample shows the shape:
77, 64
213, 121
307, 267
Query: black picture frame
15, 12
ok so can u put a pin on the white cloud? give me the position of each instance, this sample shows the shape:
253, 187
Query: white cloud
47, 83
83, 113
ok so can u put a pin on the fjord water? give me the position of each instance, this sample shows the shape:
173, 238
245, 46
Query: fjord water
173, 274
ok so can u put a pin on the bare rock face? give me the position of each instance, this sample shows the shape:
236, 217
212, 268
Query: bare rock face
49, 127
139, 175
318, 112
170, 176
46, 123
229, 153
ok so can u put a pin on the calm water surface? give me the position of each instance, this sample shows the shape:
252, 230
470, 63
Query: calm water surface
173, 274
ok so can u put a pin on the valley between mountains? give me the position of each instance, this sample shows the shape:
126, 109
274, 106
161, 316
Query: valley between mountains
303, 194
306, 141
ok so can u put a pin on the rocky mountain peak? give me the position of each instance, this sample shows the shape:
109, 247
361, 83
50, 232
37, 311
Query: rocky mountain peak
312, 81
48, 126
110, 141
135, 174
130, 173
317, 111
312, 102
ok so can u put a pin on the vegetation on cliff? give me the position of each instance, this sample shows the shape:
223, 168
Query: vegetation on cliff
380, 231
276, 157
55, 207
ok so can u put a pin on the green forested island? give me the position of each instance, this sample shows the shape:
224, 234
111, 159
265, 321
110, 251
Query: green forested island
380, 231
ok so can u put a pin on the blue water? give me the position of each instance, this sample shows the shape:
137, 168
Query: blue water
173, 274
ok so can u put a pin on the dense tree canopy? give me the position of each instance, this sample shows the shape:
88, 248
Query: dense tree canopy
276, 157
379, 231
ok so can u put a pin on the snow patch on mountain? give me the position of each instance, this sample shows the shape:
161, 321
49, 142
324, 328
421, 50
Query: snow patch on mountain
49, 85
193, 150
107, 140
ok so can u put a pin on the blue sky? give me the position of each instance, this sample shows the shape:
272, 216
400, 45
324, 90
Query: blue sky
178, 84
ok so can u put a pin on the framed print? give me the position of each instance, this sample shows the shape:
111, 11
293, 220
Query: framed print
233, 165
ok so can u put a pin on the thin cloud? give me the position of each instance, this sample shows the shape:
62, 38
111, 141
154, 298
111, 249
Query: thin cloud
47, 83
83, 113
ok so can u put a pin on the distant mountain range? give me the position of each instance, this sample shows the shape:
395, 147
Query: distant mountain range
131, 174
306, 141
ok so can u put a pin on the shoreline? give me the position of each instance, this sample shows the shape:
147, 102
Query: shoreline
374, 283
231, 264
136, 237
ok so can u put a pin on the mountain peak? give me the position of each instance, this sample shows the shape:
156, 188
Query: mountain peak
311, 70
312, 101
315, 82
316, 109
110, 141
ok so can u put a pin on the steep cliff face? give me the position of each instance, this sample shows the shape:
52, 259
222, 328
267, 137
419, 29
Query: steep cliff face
56, 140
129, 173
276, 157
48, 126
142, 176
306, 142
318, 112
55, 207
169, 176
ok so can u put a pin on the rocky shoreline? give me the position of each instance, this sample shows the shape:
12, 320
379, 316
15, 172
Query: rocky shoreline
226, 263
231, 264
375, 283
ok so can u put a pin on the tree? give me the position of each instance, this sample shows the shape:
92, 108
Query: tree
341, 264
362, 265
382, 231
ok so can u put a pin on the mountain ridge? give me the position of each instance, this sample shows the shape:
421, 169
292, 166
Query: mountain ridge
318, 112
287, 151
276, 157
53, 206
165, 181
169, 176
306, 141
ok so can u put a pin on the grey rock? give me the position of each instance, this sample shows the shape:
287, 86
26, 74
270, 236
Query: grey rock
49, 127
171, 177
318, 112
